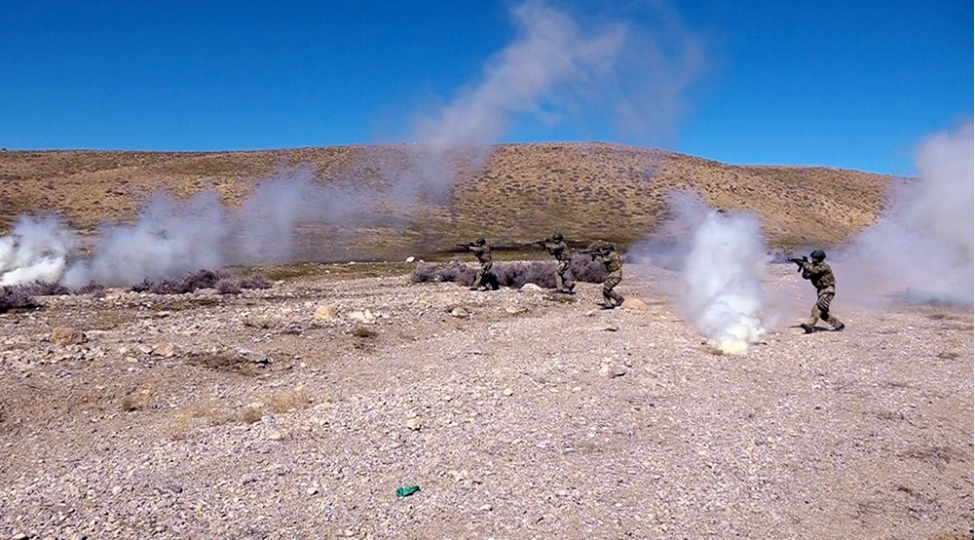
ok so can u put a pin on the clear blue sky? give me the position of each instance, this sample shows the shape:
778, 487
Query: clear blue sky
849, 84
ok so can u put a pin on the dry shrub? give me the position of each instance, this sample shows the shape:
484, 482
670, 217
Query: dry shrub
92, 288
16, 297
289, 400
512, 274
229, 286
44, 288
256, 281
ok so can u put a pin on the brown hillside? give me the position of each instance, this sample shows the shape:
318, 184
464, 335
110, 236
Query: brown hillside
519, 192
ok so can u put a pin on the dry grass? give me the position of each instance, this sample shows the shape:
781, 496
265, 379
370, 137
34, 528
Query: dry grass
588, 191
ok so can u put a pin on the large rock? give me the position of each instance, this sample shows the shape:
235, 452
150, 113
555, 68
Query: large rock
635, 304
326, 313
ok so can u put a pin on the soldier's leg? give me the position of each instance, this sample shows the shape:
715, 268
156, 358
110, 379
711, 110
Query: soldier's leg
559, 280
823, 304
611, 298
478, 279
814, 315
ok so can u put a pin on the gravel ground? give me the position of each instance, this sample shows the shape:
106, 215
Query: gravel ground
297, 412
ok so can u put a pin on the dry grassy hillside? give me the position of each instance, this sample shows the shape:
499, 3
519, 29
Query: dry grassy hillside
518, 192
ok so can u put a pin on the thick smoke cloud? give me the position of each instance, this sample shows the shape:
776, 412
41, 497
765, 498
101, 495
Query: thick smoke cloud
170, 238
721, 259
921, 249
36, 250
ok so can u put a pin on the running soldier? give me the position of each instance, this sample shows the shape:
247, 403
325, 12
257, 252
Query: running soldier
614, 265
557, 247
482, 251
821, 276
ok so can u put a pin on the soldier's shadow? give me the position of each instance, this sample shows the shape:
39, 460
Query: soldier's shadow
815, 329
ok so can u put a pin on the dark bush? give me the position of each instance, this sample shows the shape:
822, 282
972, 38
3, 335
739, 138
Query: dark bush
94, 289
512, 274
44, 288
584, 268
257, 281
16, 297
229, 286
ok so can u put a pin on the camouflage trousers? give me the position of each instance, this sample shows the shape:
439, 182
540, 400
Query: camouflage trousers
560, 275
480, 280
612, 281
821, 309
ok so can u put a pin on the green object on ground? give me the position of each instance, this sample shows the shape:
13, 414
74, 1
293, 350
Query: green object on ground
406, 491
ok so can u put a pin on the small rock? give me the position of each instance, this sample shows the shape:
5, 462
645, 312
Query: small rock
275, 436
460, 313
364, 317
531, 287
410, 259
514, 310
508, 392
326, 313
611, 372
165, 350
414, 424
248, 479
635, 304
312, 490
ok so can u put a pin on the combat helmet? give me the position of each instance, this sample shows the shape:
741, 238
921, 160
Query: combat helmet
557, 236
609, 246
480, 241
818, 255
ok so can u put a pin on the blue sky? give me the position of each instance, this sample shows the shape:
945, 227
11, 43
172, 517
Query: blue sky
854, 85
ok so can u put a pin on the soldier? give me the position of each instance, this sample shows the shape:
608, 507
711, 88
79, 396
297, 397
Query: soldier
821, 276
483, 253
557, 248
614, 265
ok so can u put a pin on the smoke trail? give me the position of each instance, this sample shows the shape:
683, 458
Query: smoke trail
558, 68
721, 258
35, 250
922, 247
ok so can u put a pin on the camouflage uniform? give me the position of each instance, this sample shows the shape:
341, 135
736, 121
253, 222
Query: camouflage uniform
614, 265
560, 251
821, 276
483, 254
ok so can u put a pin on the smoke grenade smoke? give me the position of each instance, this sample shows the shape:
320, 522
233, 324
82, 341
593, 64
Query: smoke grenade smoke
36, 250
170, 238
921, 250
721, 258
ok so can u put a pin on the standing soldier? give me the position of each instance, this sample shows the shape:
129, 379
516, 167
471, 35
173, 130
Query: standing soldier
483, 253
614, 265
557, 248
821, 276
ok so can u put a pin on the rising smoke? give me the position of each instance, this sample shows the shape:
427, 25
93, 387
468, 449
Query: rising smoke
558, 69
170, 238
721, 259
921, 249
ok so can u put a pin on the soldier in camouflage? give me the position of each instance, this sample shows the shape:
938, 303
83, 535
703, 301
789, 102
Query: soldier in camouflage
557, 247
614, 265
821, 276
482, 251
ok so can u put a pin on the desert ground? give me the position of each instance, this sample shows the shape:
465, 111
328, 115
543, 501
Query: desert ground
297, 411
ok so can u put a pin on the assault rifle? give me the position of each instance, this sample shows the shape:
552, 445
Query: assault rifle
466, 246
594, 252
799, 262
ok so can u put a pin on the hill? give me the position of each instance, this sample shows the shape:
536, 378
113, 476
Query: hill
387, 205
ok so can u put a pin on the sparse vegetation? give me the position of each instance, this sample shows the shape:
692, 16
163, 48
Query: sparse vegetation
16, 297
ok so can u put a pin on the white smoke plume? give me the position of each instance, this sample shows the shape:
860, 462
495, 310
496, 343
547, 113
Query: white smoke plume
170, 238
36, 250
721, 258
559, 68
921, 249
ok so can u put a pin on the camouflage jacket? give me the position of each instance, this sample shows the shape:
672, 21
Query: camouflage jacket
820, 274
559, 250
612, 261
483, 253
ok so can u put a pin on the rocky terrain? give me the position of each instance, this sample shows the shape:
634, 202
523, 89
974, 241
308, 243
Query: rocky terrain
297, 411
